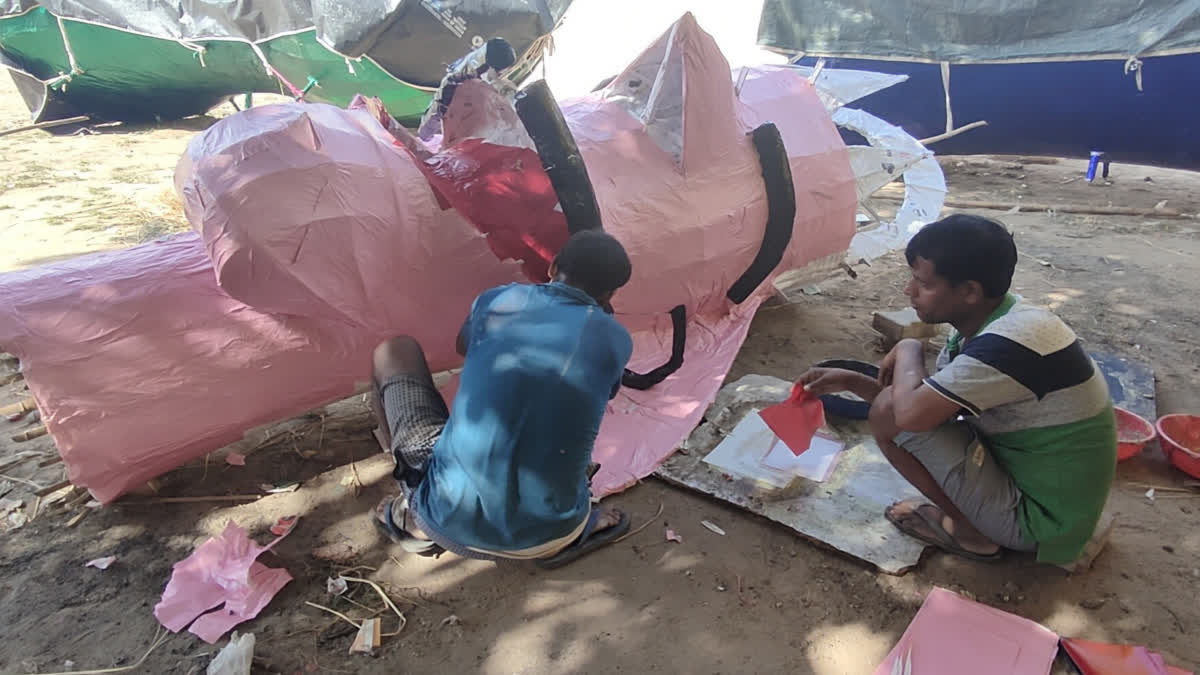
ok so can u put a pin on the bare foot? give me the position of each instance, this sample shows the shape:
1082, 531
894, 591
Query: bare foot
607, 518
905, 514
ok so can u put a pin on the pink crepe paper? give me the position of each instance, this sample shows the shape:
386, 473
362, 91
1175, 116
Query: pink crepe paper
222, 571
235, 459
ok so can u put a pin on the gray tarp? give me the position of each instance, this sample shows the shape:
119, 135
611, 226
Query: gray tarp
966, 31
351, 27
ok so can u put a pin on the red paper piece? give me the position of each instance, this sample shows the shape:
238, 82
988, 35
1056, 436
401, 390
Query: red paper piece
1098, 658
284, 525
796, 420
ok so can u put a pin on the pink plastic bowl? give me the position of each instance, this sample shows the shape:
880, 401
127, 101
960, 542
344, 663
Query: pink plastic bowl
1133, 433
1181, 442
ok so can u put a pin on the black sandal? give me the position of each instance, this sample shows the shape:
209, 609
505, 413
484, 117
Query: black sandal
940, 537
398, 535
587, 542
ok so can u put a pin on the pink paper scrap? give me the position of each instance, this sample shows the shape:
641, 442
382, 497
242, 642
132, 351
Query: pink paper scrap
222, 572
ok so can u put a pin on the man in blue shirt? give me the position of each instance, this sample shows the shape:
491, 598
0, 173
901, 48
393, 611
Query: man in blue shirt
506, 474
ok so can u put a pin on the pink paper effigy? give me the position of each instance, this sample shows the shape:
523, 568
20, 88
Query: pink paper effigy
320, 232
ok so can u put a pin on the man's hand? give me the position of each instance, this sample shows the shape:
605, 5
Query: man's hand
821, 381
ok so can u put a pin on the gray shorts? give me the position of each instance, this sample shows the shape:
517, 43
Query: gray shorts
416, 415
967, 472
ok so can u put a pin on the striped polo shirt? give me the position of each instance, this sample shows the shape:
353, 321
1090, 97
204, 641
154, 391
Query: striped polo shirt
1043, 407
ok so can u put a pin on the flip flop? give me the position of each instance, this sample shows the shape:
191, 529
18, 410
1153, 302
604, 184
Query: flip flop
941, 538
587, 542
399, 535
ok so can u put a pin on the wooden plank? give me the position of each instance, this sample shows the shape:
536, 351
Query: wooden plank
25, 405
47, 125
52, 488
30, 434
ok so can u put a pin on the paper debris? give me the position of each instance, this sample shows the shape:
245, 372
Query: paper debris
235, 459
367, 639
903, 667
235, 658
284, 525
452, 620
222, 571
101, 563
1150, 495
276, 489
336, 585
713, 527
17, 519
671, 536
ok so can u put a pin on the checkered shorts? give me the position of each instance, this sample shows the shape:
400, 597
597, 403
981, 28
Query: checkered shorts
416, 414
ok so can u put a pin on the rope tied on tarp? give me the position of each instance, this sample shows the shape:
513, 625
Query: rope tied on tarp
198, 49
1134, 65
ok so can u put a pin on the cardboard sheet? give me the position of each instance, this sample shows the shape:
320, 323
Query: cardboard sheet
845, 512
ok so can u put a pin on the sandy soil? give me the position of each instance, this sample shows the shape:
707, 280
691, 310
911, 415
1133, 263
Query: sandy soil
759, 600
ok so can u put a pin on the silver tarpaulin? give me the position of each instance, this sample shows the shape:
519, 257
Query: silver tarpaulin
975, 31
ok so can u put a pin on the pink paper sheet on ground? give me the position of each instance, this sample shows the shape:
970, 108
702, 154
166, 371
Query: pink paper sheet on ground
222, 571
951, 635
796, 420
318, 235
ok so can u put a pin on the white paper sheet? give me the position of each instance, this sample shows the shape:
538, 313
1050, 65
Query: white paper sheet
815, 464
754, 452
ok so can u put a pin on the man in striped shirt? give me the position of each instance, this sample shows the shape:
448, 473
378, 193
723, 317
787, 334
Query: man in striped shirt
1012, 439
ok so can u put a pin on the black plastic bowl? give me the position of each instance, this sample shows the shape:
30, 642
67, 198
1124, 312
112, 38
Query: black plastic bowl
841, 406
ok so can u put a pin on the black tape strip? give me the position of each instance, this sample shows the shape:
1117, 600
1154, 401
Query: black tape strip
678, 343
543, 119
781, 211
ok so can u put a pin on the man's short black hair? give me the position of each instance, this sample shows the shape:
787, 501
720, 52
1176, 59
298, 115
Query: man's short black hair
966, 248
595, 262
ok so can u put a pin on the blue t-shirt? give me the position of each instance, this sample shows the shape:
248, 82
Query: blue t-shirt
510, 469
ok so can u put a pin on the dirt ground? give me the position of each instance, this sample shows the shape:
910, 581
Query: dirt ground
759, 600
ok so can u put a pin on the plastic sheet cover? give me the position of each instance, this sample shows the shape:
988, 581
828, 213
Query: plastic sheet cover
973, 31
319, 234
411, 39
